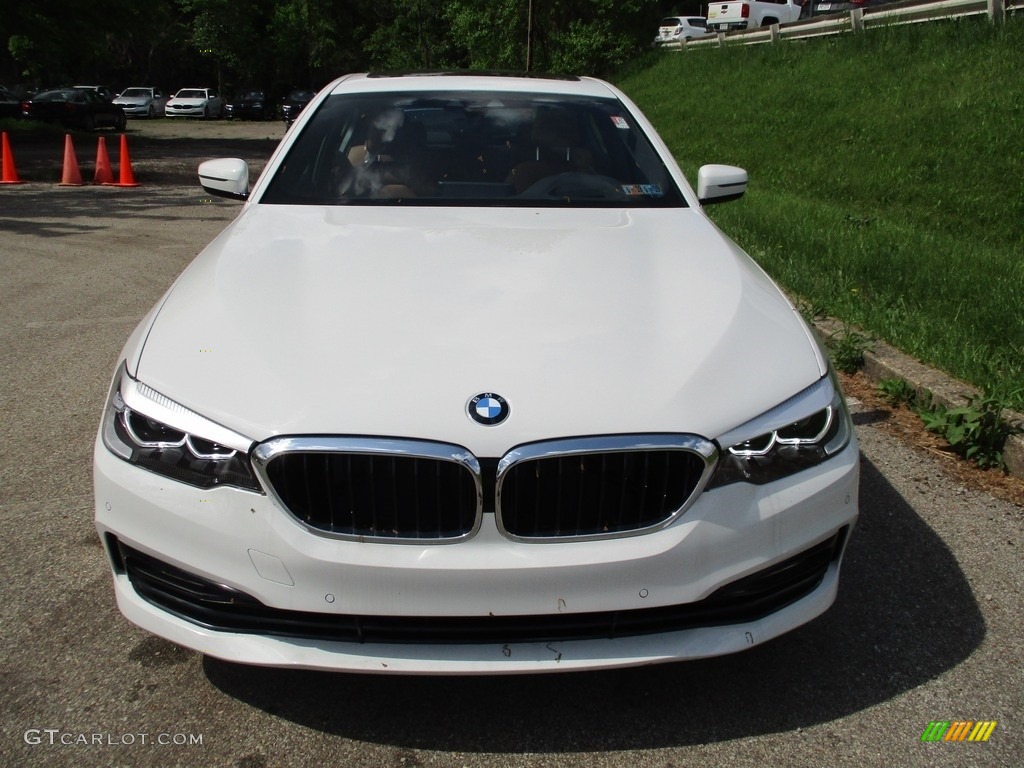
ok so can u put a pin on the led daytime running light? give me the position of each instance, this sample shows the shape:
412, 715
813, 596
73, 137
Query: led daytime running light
186, 440
774, 438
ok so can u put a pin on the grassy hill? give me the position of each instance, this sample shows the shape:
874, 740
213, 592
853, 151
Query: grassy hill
887, 177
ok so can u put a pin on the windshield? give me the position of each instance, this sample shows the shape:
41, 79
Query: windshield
136, 92
66, 95
191, 94
462, 148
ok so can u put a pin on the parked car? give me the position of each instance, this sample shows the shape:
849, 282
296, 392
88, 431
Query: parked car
473, 384
100, 90
10, 105
676, 29
142, 101
250, 105
74, 107
194, 102
294, 103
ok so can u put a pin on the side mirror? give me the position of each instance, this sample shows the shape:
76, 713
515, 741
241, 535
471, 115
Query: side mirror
720, 183
226, 177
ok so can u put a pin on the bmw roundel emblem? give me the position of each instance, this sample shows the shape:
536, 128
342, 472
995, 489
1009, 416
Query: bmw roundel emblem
488, 409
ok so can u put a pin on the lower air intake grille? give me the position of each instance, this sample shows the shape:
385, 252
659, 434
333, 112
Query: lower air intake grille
223, 609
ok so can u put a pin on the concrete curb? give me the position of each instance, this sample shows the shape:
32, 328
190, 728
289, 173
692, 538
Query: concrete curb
882, 361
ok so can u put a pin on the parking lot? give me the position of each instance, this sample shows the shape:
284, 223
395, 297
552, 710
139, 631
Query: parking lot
927, 626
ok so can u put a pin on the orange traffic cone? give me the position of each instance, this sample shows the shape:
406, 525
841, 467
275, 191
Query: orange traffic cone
103, 173
72, 177
127, 177
10, 174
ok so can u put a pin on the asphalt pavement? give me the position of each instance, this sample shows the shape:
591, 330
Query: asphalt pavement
927, 626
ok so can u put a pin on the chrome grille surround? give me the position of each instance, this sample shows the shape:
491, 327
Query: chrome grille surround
378, 457
687, 463
572, 462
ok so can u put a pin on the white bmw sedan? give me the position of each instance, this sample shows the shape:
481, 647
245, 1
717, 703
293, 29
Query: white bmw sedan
472, 384
194, 102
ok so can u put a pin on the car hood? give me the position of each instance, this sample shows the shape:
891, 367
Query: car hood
386, 321
131, 100
191, 101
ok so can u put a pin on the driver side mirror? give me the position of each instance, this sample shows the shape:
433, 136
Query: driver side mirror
225, 177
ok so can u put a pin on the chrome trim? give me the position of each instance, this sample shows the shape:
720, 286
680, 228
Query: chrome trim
265, 452
705, 449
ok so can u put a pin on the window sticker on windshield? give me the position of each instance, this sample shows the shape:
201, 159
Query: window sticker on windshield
642, 190
620, 122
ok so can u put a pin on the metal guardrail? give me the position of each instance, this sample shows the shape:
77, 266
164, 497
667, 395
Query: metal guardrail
858, 20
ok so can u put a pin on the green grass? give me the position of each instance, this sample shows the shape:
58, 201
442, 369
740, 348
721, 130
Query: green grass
886, 177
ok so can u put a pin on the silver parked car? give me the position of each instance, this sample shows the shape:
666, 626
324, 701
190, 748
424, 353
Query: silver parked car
142, 101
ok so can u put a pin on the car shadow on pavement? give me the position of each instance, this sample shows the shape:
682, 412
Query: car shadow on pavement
93, 210
905, 614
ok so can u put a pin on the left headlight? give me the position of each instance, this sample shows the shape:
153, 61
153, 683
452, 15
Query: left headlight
152, 431
779, 451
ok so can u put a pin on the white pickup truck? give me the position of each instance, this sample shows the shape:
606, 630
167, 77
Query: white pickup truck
745, 14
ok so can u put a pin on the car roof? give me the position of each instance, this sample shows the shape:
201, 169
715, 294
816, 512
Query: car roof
471, 81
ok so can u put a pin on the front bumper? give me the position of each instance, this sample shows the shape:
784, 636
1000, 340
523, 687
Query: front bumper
184, 111
135, 110
264, 590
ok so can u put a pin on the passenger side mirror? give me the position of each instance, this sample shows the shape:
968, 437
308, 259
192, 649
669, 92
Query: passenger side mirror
720, 183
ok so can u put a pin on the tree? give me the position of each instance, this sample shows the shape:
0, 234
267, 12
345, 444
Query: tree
410, 36
572, 36
59, 41
284, 43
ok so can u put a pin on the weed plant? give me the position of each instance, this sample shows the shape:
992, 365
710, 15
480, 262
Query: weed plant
977, 431
885, 177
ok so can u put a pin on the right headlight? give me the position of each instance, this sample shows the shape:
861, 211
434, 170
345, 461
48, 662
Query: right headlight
771, 454
145, 428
